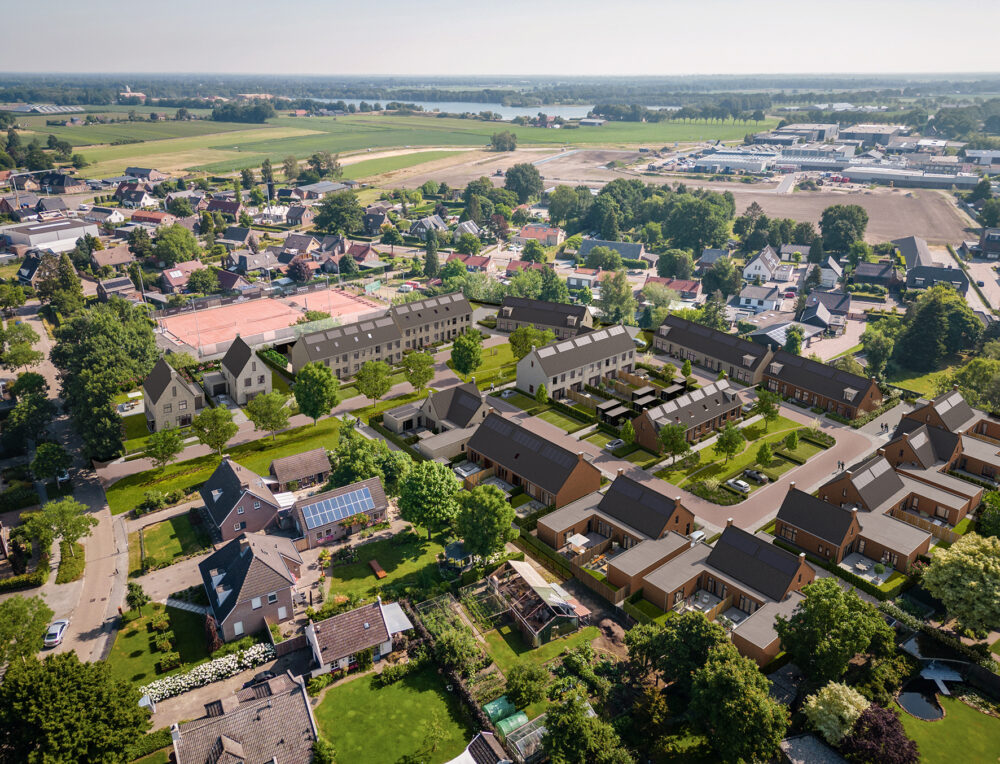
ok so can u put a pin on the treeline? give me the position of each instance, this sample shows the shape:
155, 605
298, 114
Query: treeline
256, 111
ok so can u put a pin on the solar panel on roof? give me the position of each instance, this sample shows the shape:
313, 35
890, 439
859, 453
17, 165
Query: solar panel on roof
336, 508
546, 352
880, 467
564, 346
402, 309
627, 488
525, 439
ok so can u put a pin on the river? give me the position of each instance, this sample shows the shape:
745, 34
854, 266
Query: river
460, 107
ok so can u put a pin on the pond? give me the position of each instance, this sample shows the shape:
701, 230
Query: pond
918, 698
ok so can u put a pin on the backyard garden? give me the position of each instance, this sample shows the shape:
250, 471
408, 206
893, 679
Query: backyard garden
164, 543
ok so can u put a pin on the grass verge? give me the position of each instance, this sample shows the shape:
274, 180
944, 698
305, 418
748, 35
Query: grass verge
71, 562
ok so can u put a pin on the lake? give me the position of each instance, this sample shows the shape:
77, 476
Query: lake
460, 107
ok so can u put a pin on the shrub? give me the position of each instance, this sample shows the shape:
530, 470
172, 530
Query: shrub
879, 568
152, 741
393, 673
170, 661
160, 622
165, 642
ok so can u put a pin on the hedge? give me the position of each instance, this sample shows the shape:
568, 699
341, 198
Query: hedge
530, 522
274, 359
572, 412
149, 743
979, 654
528, 543
28, 580
389, 435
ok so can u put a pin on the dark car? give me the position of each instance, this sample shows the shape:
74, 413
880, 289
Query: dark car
756, 476
260, 676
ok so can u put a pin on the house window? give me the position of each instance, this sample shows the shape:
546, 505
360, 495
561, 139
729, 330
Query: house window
255, 603
247, 382
941, 512
272, 597
260, 380
182, 405
238, 628
239, 526
240, 510
167, 408
256, 505
789, 532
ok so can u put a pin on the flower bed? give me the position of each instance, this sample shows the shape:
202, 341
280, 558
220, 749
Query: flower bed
206, 673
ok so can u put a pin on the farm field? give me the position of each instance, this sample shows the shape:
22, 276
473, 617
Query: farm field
226, 147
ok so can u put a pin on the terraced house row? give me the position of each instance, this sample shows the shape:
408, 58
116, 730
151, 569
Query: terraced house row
405, 327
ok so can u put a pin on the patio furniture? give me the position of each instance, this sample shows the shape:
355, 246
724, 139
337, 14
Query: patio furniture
860, 566
377, 569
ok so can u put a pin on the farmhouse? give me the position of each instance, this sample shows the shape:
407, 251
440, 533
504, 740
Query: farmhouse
251, 579
548, 473
573, 363
546, 235
923, 269
563, 320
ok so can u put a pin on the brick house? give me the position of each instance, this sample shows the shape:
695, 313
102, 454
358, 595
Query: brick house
742, 360
238, 500
450, 409
563, 320
701, 411
301, 470
335, 642
170, 400
250, 579
246, 375
546, 235
320, 519
153, 217
821, 386
548, 473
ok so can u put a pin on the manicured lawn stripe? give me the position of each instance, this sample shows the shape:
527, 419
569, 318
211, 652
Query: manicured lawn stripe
401, 711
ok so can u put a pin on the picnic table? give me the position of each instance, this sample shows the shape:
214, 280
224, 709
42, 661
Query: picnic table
377, 569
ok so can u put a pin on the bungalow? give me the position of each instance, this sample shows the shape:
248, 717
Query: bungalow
247, 261
516, 266
333, 515
422, 227
250, 582
764, 265
584, 278
337, 641
687, 289
238, 500
742, 360
170, 400
573, 363
547, 472
830, 273
246, 375
546, 235
268, 722
146, 173
232, 282
120, 286
153, 217
225, 207
104, 216
883, 274
373, 221
308, 468
789, 251
52, 204
467, 226
838, 303
627, 249
472, 263
563, 320
701, 411
760, 299
236, 237
820, 386
173, 280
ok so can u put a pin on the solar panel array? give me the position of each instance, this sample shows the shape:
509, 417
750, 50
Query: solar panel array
337, 508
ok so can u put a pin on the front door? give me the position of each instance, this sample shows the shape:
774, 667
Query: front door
282, 613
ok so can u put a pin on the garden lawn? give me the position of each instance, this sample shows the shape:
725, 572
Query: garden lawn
497, 360
561, 420
599, 438
134, 655
924, 383
256, 456
508, 647
70, 565
977, 733
279, 383
652, 611
374, 725
156, 757
404, 563
170, 539
641, 457
523, 402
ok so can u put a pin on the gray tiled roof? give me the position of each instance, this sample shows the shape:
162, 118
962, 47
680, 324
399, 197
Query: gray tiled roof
639, 557
953, 409
302, 465
725, 347
583, 349
820, 518
818, 378
698, 406
627, 249
348, 633
252, 728
523, 453
420, 312
835, 302
875, 481
638, 505
456, 404
930, 444
227, 484
762, 566
915, 251
542, 313
237, 357
252, 565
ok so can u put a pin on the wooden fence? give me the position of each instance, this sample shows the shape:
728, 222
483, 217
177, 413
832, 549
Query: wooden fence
584, 400
608, 592
938, 531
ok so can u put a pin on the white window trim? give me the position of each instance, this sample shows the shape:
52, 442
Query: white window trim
256, 603
238, 628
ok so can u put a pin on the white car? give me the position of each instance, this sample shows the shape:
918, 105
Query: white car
508, 393
56, 632
613, 444
404, 288
738, 485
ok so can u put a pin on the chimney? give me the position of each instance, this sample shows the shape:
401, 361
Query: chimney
620, 472
175, 732
225, 458
955, 388
492, 410
729, 521
791, 486
881, 451
802, 556
848, 473
854, 510
579, 456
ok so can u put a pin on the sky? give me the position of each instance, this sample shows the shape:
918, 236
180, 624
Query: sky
512, 37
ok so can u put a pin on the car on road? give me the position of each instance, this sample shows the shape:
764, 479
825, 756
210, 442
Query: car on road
981, 283
790, 294
613, 444
510, 392
260, 676
738, 485
63, 477
756, 476
56, 632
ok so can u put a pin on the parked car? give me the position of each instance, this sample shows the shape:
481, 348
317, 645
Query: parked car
738, 485
510, 392
57, 630
981, 283
404, 288
757, 476
613, 444
63, 477
790, 294
260, 676
747, 408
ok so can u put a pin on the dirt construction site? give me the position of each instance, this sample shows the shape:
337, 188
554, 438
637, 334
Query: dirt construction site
893, 212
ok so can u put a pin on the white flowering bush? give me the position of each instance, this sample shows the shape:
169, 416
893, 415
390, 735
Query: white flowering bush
206, 673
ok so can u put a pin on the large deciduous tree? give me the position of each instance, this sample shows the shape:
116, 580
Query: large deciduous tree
829, 627
339, 213
374, 379
617, 302
842, 225
467, 351
572, 736
833, 710
316, 390
524, 180
878, 737
268, 412
50, 460
215, 427
61, 709
427, 496
966, 578
175, 243
418, 369
23, 622
485, 521
684, 647
526, 338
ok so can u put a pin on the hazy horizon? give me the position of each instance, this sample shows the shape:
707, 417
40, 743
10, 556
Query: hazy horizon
519, 38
